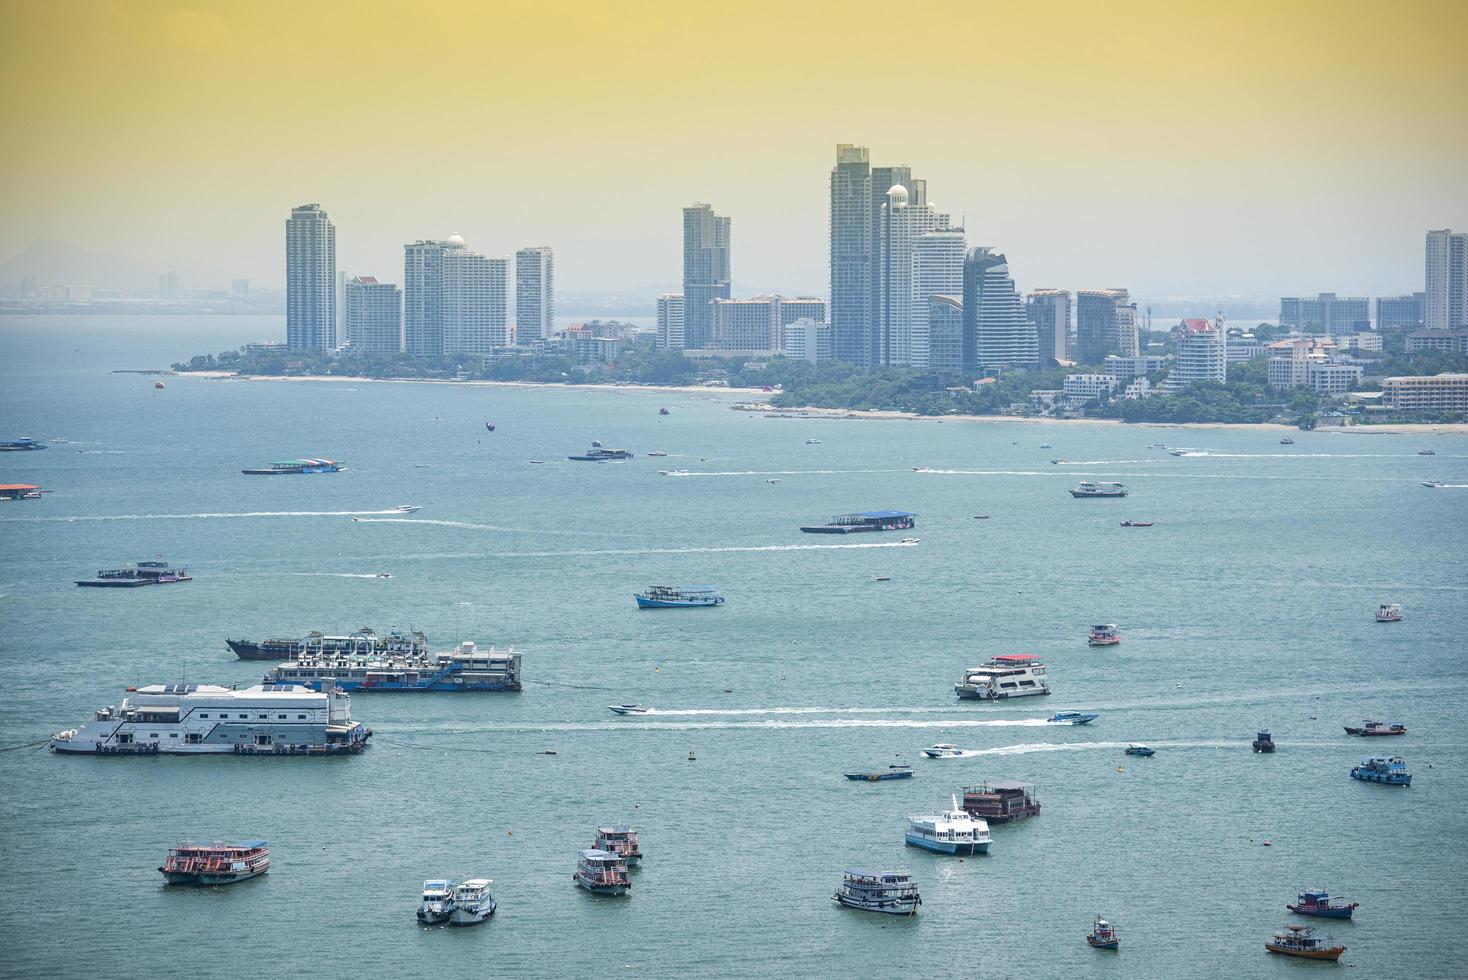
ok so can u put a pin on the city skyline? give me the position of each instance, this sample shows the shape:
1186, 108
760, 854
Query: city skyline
1222, 152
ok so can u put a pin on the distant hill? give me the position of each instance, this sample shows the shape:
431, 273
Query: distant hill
63, 264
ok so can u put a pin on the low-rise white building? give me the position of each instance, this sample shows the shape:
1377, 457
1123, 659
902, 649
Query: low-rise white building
1426, 393
1331, 378
807, 339
1126, 368
1084, 387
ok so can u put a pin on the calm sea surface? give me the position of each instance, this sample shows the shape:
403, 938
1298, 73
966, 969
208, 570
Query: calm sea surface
1248, 605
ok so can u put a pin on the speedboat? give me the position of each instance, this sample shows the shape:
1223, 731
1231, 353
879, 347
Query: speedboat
812, 442
628, 709
407, 508
1433, 484
1319, 904
955, 831
657, 452
1046, 445
881, 775
1369, 727
1301, 941
1426, 452
1137, 748
772, 482
472, 902
943, 750
1103, 935
909, 541
1157, 445
1073, 718
384, 574
1287, 441
438, 902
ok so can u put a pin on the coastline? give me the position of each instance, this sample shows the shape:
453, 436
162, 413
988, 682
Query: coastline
757, 400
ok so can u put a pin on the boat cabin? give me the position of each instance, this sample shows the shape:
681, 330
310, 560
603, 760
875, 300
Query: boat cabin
999, 801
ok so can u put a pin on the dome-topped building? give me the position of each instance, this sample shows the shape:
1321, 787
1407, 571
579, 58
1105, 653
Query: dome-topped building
456, 240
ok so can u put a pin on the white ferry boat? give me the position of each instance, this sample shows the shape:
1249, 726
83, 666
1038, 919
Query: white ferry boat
473, 902
204, 719
879, 891
953, 832
466, 668
1089, 489
1012, 675
438, 902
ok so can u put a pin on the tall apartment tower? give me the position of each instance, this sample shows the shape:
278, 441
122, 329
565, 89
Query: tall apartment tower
535, 295
1201, 354
670, 321
310, 280
851, 256
993, 314
475, 302
373, 316
937, 270
1446, 304
1106, 323
903, 224
1401, 311
423, 295
1048, 311
705, 271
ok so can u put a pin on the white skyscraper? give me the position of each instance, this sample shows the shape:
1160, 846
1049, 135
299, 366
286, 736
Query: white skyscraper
902, 223
310, 280
535, 295
423, 295
994, 317
937, 270
1446, 304
374, 316
1201, 354
475, 302
670, 321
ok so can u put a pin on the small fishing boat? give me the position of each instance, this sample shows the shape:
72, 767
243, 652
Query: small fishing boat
473, 902
955, 831
1136, 523
1157, 445
489, 426
1073, 718
215, 864
943, 750
1301, 941
879, 891
1263, 741
1389, 769
1046, 445
620, 840
678, 597
1103, 935
628, 709
1319, 904
1137, 748
1104, 635
601, 873
1287, 441
438, 902
881, 775
1388, 612
663, 411
1370, 728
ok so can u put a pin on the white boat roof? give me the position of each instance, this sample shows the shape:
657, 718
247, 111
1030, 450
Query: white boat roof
478, 884
259, 692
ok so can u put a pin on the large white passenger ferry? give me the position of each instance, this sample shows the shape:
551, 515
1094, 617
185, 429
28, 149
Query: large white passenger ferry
1012, 675
197, 719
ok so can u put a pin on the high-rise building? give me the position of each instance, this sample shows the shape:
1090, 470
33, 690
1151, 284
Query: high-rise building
1446, 302
1106, 323
1201, 354
937, 270
423, 295
705, 271
903, 224
1326, 313
374, 316
1405, 312
852, 260
535, 295
1048, 311
670, 321
475, 302
946, 334
993, 314
168, 286
310, 280
754, 325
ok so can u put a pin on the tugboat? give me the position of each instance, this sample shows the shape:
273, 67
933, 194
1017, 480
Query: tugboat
1103, 935
1072, 718
1138, 749
1000, 801
1369, 727
879, 891
602, 873
679, 597
216, 863
1388, 612
955, 831
1104, 635
473, 902
600, 454
1263, 742
881, 775
438, 902
1319, 904
1301, 941
1391, 770
943, 750
133, 576
620, 840
1089, 489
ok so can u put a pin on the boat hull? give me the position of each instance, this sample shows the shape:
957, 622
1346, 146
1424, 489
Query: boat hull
433, 918
1369, 733
1386, 780
893, 907
948, 846
602, 889
1343, 912
645, 603
1104, 643
983, 694
1103, 943
462, 916
877, 777
230, 877
1329, 953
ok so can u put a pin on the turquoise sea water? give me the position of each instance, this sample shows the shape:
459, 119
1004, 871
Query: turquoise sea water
1248, 605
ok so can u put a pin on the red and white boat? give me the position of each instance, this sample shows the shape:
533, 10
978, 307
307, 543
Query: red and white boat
215, 864
1104, 635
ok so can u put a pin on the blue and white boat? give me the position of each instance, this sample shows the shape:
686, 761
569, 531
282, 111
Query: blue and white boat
679, 597
1073, 718
955, 831
21, 445
438, 902
879, 891
473, 902
467, 668
1137, 748
1389, 769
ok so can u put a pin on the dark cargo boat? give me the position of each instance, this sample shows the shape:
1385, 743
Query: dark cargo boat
133, 576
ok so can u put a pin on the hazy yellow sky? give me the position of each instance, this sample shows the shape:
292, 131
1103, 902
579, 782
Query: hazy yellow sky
1223, 146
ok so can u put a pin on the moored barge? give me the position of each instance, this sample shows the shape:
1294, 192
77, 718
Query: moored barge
135, 576
1001, 800
870, 520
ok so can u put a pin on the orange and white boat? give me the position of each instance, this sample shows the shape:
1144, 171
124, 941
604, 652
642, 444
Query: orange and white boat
215, 864
1301, 941
1104, 635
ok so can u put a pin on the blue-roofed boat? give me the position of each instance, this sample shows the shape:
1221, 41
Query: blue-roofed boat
679, 597
1073, 718
21, 445
1389, 769
881, 775
294, 467
1319, 904
868, 520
